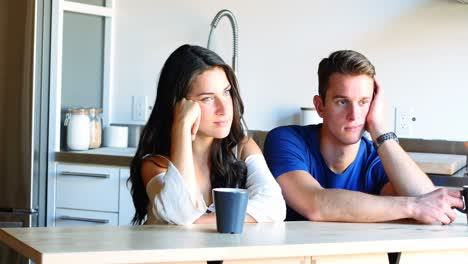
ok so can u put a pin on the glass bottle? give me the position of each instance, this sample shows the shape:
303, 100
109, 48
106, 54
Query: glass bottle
95, 129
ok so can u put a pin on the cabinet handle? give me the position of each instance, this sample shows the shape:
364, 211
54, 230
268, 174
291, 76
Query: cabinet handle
83, 219
18, 211
84, 174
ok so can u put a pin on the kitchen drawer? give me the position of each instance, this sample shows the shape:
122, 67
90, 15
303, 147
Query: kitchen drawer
87, 187
68, 217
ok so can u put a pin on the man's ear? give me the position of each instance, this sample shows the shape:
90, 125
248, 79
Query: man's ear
375, 89
319, 105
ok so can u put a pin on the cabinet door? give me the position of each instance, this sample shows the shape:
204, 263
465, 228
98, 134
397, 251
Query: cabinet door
87, 187
67, 217
126, 208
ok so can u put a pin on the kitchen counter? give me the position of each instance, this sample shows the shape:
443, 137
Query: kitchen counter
123, 157
288, 242
104, 156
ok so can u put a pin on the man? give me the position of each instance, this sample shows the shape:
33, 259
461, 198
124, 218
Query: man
330, 172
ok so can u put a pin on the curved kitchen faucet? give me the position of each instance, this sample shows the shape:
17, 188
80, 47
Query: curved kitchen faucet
235, 33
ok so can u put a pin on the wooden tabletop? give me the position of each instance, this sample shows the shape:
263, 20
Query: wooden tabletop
168, 243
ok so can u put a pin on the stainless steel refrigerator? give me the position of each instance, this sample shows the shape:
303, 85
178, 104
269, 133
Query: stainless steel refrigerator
24, 60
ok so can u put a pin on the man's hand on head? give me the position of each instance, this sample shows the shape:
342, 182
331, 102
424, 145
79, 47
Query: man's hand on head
375, 121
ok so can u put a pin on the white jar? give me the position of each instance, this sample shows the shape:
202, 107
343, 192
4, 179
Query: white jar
116, 136
309, 116
78, 129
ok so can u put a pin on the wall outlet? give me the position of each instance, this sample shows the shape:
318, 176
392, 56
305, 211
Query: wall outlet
139, 107
149, 109
404, 121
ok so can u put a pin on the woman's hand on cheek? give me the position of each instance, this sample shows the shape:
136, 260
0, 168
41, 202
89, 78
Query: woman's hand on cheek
187, 116
196, 125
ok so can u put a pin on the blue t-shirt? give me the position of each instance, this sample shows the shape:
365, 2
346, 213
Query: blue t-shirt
291, 148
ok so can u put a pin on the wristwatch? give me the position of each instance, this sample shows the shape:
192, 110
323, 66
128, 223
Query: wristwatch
382, 138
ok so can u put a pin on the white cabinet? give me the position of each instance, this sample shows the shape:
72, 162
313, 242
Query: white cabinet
126, 208
92, 195
87, 187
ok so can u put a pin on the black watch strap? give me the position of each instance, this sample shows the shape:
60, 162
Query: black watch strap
382, 138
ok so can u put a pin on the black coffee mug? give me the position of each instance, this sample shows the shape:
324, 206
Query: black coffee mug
464, 195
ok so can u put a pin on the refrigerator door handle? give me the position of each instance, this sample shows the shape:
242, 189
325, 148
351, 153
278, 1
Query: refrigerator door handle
18, 211
83, 219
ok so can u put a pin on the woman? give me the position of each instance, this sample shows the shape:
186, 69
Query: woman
193, 142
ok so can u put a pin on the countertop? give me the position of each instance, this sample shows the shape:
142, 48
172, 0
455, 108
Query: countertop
123, 157
104, 156
264, 242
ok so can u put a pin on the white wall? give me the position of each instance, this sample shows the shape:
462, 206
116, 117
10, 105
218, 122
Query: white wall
419, 48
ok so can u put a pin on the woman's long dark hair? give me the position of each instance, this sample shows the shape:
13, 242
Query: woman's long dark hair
177, 75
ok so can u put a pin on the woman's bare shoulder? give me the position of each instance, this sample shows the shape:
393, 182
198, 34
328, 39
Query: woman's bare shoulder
152, 166
248, 147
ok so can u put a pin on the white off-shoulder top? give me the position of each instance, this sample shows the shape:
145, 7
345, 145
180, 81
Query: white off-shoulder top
172, 203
